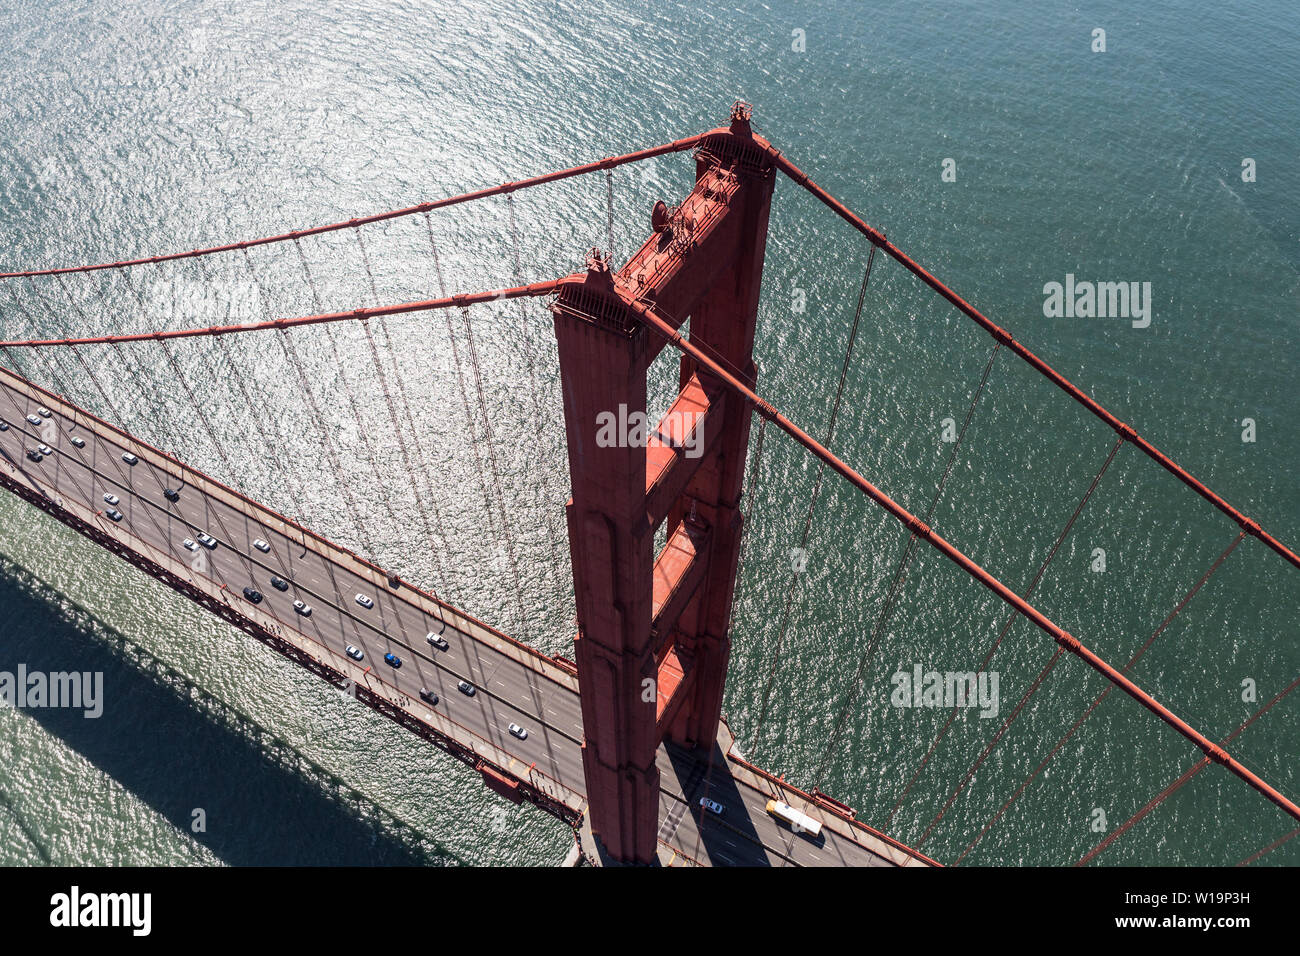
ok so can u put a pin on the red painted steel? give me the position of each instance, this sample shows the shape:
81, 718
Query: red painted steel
638, 618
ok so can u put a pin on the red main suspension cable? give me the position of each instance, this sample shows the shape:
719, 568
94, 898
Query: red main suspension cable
1063, 638
463, 299
878, 238
609, 162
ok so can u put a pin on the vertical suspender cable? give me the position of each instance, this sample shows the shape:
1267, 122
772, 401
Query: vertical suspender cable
812, 505
896, 584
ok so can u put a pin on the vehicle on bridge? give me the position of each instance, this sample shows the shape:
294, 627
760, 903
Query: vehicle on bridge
4, 425
280, 584
45, 450
35, 420
439, 642
466, 688
354, 652
77, 440
112, 499
365, 601
712, 806
302, 607
114, 514
171, 494
35, 455
262, 546
129, 458
392, 660
518, 731
798, 821
207, 541
253, 595
428, 696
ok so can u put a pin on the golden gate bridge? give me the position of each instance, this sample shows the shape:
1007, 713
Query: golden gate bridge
626, 739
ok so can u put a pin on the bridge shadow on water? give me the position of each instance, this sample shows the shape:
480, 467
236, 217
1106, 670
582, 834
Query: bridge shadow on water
176, 747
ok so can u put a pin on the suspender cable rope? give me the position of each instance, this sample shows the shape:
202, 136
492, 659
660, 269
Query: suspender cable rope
53, 374
503, 531
609, 206
424, 470
1104, 693
796, 571
1011, 618
958, 557
539, 415
1270, 848
81, 359
895, 587
489, 441
267, 429
362, 430
877, 238
1178, 784
327, 438
363, 537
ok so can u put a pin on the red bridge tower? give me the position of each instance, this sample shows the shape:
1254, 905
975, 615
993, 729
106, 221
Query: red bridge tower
652, 646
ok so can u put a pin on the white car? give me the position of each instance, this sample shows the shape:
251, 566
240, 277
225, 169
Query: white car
303, 608
262, 546
207, 541
519, 731
44, 412
45, 449
712, 806
35, 419
190, 544
129, 458
355, 653
437, 641
365, 601
78, 441
112, 499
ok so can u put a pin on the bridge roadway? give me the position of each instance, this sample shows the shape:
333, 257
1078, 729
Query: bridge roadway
514, 683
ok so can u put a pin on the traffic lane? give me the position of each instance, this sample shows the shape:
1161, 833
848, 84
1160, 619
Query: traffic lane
554, 754
550, 703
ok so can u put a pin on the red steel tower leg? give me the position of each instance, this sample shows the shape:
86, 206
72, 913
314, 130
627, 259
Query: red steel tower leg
652, 648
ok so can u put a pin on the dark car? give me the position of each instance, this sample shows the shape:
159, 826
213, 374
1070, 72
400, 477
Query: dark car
280, 584
253, 595
114, 514
428, 696
171, 494
35, 455
392, 660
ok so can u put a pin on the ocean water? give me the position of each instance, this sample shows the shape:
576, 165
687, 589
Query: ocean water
131, 129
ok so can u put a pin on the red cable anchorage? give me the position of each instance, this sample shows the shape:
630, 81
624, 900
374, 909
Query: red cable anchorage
1002, 335
1062, 637
609, 162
